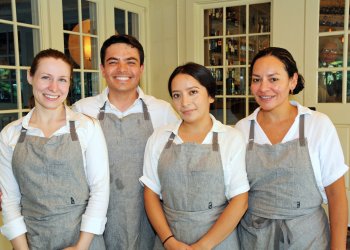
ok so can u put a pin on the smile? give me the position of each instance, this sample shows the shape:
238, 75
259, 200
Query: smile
51, 96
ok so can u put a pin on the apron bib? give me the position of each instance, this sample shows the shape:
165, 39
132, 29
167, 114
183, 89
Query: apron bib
51, 178
193, 190
284, 209
127, 225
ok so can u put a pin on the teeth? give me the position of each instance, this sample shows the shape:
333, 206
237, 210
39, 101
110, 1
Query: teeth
122, 78
51, 96
265, 97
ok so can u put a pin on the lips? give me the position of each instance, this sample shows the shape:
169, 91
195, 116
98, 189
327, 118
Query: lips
122, 78
51, 96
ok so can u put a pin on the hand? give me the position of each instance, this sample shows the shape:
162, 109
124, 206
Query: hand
198, 246
174, 244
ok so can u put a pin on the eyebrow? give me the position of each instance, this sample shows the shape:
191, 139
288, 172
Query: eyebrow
269, 75
126, 59
194, 87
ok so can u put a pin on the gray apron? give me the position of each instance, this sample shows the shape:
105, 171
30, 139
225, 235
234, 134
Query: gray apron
51, 178
193, 190
284, 209
127, 225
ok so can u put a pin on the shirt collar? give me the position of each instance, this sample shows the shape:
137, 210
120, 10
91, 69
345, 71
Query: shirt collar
105, 92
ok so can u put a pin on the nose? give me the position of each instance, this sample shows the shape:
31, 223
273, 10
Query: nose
122, 67
184, 100
264, 84
53, 86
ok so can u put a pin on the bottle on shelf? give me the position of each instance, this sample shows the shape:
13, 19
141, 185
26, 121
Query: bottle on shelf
230, 83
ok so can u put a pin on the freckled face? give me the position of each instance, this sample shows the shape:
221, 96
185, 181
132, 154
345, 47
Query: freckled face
191, 99
122, 69
270, 83
50, 82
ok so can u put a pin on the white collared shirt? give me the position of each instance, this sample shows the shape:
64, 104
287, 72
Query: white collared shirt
324, 146
96, 167
160, 111
232, 151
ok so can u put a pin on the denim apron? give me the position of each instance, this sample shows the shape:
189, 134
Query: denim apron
284, 210
55, 193
193, 190
127, 225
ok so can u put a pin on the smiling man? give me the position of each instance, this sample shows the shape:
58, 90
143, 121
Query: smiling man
128, 117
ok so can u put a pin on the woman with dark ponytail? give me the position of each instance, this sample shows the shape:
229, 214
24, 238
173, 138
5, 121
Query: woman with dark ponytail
294, 164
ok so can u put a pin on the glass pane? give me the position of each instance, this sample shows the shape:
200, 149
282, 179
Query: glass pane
216, 109
235, 110
235, 20
91, 84
330, 86
219, 83
232, 56
29, 45
90, 52
5, 10
214, 22
213, 52
331, 15
133, 24
7, 118
258, 43
8, 89
259, 18
252, 105
70, 14
119, 21
89, 17
330, 51
235, 81
242, 51
7, 50
27, 11
72, 48
75, 89
26, 91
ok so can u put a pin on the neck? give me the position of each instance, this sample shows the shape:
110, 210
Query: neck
47, 116
279, 114
195, 132
122, 100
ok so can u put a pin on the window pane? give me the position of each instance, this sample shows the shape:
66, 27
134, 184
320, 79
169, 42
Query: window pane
26, 90
252, 105
258, 43
27, 11
331, 15
235, 110
90, 50
216, 109
29, 45
75, 89
330, 86
7, 118
89, 13
70, 14
8, 89
330, 51
133, 24
119, 21
91, 84
259, 18
235, 20
72, 48
7, 51
5, 10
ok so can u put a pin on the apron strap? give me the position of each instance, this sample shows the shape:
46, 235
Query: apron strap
73, 132
215, 142
285, 233
101, 115
22, 135
302, 140
170, 140
251, 135
146, 114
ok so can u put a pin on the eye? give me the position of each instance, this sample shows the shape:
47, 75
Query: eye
63, 80
131, 62
193, 92
45, 77
175, 95
255, 80
111, 62
273, 79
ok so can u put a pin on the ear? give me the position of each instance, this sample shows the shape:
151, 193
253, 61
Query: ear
142, 67
293, 82
211, 99
29, 77
102, 68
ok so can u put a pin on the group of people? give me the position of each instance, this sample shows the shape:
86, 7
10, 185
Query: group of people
122, 170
